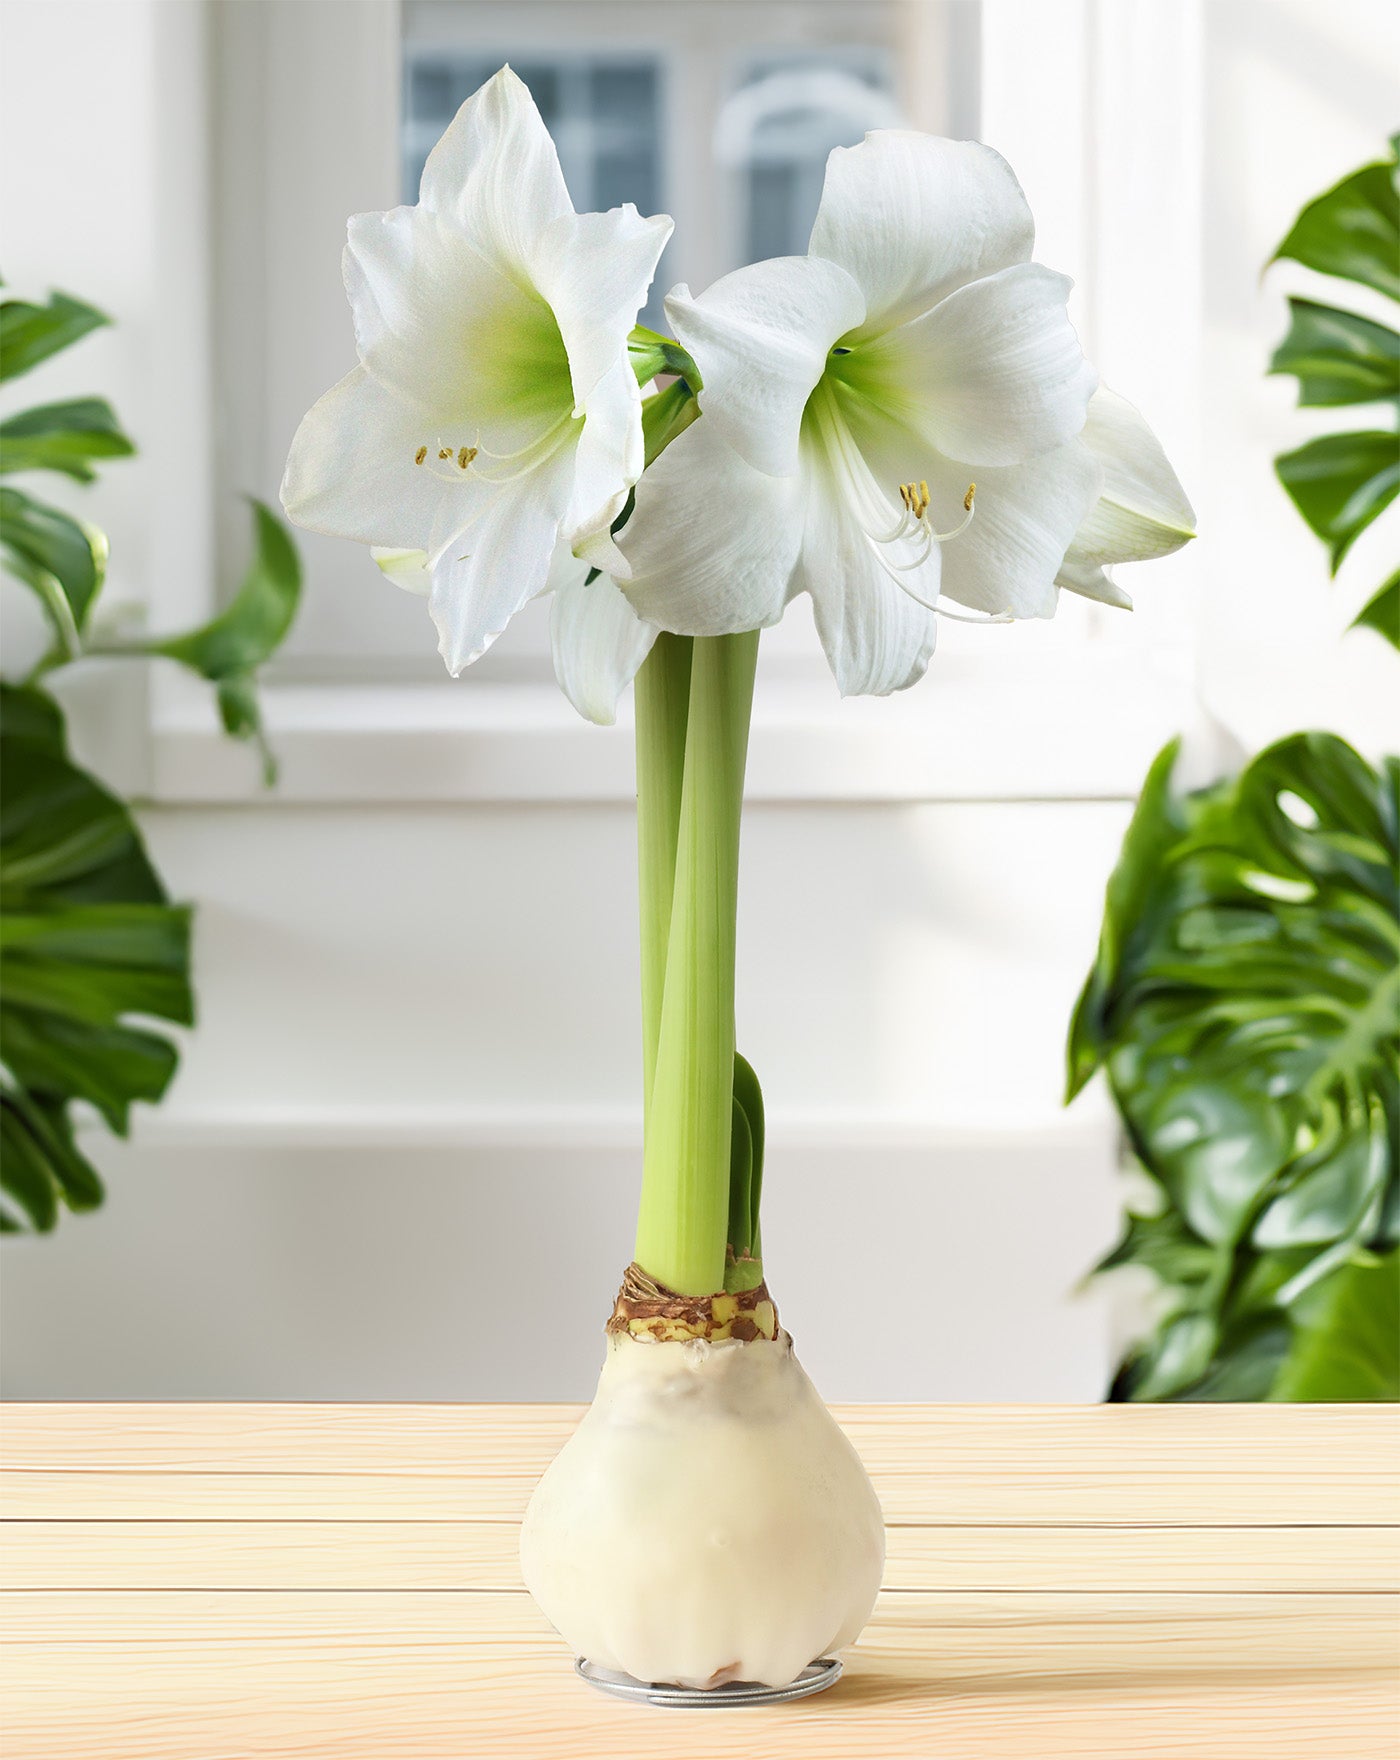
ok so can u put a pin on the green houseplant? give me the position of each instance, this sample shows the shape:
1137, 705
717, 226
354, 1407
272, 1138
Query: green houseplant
91, 947
1245, 999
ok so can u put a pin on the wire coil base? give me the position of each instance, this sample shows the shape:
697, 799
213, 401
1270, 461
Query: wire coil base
815, 1678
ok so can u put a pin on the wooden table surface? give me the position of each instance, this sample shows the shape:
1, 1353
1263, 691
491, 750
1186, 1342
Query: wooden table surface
1133, 1582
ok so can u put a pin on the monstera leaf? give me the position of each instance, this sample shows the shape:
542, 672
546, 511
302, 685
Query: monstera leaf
88, 939
1341, 483
1246, 1005
1351, 1350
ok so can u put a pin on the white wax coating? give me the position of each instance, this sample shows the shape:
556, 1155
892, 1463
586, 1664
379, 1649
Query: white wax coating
708, 1521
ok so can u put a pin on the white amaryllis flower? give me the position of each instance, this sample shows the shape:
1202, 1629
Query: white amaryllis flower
494, 413
893, 417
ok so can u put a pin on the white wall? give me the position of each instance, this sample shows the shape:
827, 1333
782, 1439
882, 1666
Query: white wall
401, 1157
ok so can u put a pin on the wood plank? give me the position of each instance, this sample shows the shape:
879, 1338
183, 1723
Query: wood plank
1232, 1465
483, 1555
417, 1677
1144, 1559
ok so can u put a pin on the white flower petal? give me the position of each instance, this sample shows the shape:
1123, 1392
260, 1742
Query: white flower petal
1143, 511
595, 269
712, 543
1091, 582
760, 338
351, 470
497, 563
992, 374
405, 568
1024, 518
495, 174
876, 637
608, 459
438, 322
911, 217
598, 642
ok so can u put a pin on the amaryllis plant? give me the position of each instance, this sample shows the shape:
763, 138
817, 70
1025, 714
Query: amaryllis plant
902, 424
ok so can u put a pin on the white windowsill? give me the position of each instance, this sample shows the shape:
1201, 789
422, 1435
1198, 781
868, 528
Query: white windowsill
1084, 729
1088, 1126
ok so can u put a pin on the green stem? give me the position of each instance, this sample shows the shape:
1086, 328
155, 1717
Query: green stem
663, 701
683, 1221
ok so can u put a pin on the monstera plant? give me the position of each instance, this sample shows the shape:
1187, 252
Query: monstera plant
1340, 483
1245, 1000
91, 948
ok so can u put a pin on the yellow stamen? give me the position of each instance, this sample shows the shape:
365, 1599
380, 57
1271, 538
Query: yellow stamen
420, 455
967, 499
465, 456
444, 452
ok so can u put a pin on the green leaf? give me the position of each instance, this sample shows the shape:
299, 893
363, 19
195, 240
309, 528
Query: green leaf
26, 1176
748, 1095
241, 716
740, 1236
87, 939
154, 937
63, 559
97, 993
1338, 357
1170, 1361
63, 437
247, 634
63, 837
1249, 1018
30, 714
1245, 1362
1341, 483
1154, 829
229, 650
109, 1067
1328, 1193
30, 334
1215, 1146
1350, 1347
1353, 230
41, 1162
1382, 611
1165, 1246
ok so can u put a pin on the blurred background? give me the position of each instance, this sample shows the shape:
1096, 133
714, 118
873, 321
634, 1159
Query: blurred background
400, 1158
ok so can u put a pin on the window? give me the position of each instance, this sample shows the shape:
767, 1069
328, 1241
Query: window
777, 128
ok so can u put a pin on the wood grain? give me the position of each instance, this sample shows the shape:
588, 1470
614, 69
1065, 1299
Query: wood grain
375, 1676
1233, 1465
1161, 1583
484, 1555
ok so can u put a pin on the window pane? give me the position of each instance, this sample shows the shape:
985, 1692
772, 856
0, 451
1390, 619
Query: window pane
772, 227
780, 124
